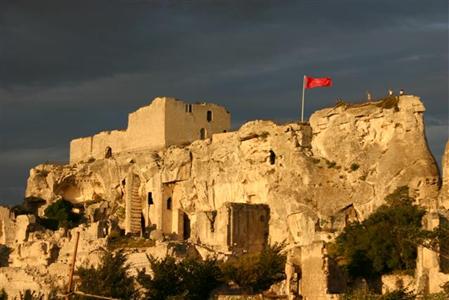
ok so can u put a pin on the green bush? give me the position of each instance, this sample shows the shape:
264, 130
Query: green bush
110, 279
196, 279
190, 278
389, 102
256, 272
354, 166
60, 214
364, 294
400, 294
117, 241
384, 242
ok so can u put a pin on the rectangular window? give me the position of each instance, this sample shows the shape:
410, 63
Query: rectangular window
209, 116
188, 108
169, 203
150, 198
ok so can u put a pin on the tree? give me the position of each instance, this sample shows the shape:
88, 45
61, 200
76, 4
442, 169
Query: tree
384, 242
60, 214
109, 279
189, 278
257, 271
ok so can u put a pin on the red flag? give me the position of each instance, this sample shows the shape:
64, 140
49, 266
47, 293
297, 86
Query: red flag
310, 82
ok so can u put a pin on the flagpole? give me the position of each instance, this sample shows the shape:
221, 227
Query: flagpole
302, 102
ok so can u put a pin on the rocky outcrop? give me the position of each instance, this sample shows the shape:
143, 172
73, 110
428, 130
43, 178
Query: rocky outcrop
313, 179
383, 142
444, 192
348, 159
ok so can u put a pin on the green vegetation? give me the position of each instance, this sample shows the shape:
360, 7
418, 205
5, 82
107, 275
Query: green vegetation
109, 279
195, 279
331, 164
389, 102
256, 272
385, 242
190, 278
60, 214
315, 160
116, 241
364, 294
354, 166
5, 251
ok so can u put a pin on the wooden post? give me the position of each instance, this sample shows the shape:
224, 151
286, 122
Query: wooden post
72, 266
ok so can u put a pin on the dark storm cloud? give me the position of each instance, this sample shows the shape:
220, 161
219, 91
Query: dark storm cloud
72, 68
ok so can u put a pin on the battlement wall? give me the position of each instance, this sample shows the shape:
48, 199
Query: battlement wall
164, 122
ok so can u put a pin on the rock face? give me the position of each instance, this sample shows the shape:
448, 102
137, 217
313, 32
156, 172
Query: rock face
297, 182
344, 163
444, 192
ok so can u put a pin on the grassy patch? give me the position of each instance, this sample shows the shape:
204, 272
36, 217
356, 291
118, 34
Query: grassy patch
123, 242
389, 102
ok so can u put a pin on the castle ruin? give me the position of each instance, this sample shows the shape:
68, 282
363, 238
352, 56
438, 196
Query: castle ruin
177, 174
164, 122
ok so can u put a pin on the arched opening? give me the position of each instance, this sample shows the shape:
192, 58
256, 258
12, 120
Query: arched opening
108, 152
150, 198
203, 133
209, 116
169, 203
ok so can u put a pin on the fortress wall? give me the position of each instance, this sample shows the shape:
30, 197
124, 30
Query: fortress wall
115, 139
80, 149
186, 125
166, 121
146, 127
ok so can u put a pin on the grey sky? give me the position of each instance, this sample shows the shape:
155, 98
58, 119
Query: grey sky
73, 68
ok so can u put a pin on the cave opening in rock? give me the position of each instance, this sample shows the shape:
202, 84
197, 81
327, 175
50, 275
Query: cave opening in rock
272, 157
185, 227
150, 198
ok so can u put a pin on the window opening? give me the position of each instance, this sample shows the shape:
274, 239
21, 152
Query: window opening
108, 152
209, 116
150, 198
272, 157
169, 203
202, 133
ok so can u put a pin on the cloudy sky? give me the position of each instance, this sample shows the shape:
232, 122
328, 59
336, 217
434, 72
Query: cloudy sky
73, 68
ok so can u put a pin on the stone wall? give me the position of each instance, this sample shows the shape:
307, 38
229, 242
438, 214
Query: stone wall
146, 126
228, 229
7, 226
444, 192
166, 121
185, 122
314, 271
80, 149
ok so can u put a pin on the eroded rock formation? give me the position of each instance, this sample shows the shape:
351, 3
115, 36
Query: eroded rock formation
349, 157
311, 179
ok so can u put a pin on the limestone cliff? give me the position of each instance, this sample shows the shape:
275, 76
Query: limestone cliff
444, 192
312, 176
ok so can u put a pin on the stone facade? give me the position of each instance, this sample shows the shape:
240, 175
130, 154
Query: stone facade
164, 122
227, 230
7, 226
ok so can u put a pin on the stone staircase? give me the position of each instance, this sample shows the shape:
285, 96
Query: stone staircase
134, 205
